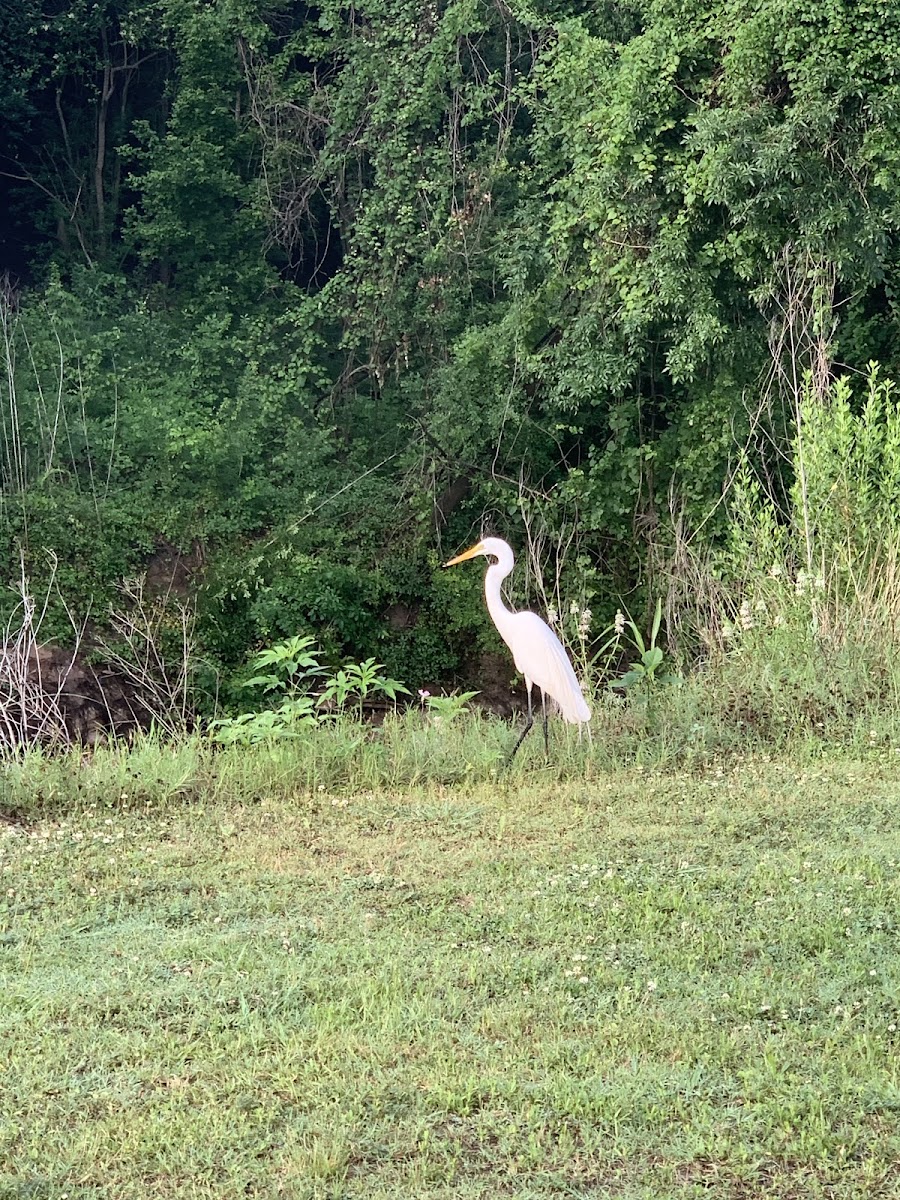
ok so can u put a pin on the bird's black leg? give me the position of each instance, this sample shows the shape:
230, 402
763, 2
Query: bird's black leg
546, 733
528, 725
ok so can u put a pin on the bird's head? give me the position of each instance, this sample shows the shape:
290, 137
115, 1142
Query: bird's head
494, 547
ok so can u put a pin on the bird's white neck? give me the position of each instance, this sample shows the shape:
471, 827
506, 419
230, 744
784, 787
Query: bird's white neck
493, 578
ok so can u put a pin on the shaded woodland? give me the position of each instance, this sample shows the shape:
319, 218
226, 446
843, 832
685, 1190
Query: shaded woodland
300, 298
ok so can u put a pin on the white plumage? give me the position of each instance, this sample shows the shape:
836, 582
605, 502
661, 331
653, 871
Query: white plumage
536, 650
540, 657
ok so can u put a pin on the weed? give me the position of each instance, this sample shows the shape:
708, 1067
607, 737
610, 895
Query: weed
646, 670
308, 692
446, 708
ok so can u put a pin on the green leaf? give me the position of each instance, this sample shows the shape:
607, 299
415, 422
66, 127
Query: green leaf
652, 658
264, 681
657, 617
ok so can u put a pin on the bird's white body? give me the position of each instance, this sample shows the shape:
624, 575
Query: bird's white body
536, 650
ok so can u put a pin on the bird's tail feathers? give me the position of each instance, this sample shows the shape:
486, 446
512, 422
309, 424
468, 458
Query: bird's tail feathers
576, 711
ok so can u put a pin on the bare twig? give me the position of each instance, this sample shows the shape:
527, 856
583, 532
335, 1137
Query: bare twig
31, 710
152, 647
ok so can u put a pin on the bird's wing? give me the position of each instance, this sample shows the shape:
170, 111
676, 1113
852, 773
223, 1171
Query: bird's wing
539, 655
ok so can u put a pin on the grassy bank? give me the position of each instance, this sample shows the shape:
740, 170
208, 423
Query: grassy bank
643, 985
686, 723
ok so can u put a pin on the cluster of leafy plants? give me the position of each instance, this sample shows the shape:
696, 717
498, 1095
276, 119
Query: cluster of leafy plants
305, 692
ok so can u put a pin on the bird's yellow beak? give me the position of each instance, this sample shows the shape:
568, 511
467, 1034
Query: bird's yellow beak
470, 553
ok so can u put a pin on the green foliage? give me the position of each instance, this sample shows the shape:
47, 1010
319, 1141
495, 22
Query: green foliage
798, 618
127, 429
331, 284
286, 720
645, 671
292, 670
195, 218
356, 682
846, 491
289, 669
289, 666
447, 708
840, 519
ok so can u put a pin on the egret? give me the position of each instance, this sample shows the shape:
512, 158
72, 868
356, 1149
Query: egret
536, 650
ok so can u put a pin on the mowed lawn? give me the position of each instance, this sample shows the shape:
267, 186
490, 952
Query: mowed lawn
645, 985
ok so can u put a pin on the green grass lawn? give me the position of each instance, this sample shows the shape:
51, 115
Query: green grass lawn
647, 985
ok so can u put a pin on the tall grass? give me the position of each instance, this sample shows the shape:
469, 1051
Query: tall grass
694, 722
795, 627
344, 755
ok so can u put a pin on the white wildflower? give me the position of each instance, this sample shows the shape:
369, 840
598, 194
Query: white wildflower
745, 616
775, 571
584, 624
619, 622
552, 615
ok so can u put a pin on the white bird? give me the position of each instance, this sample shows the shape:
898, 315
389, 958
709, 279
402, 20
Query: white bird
536, 650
